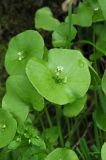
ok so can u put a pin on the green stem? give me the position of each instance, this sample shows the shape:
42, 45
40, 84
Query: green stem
48, 117
70, 24
92, 44
58, 117
41, 122
68, 129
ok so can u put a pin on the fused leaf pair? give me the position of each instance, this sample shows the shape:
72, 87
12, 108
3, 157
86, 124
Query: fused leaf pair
21, 48
61, 80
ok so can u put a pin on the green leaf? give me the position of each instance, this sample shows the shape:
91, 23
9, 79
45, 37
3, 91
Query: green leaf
18, 108
97, 12
14, 144
64, 78
51, 134
21, 86
22, 47
8, 128
73, 109
100, 118
60, 35
44, 19
83, 15
33, 154
39, 142
102, 4
62, 154
104, 83
103, 152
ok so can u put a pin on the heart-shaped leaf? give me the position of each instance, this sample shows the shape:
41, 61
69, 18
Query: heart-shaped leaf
62, 154
63, 78
44, 19
73, 109
8, 126
60, 35
21, 47
83, 15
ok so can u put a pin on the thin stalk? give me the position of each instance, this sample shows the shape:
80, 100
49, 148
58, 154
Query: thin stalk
92, 44
41, 122
48, 117
70, 24
58, 117
68, 129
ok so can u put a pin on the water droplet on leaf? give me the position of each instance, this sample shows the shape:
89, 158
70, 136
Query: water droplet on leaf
81, 63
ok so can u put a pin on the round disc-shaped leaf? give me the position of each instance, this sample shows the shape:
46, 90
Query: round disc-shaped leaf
103, 152
21, 86
8, 128
73, 109
63, 78
62, 154
100, 118
104, 82
21, 47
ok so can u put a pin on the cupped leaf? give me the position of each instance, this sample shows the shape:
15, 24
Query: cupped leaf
104, 83
8, 126
103, 152
100, 118
102, 4
63, 154
21, 86
83, 15
65, 76
22, 47
44, 19
60, 35
73, 109
13, 104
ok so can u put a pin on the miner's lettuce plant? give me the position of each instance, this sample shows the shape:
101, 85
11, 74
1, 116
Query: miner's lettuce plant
48, 86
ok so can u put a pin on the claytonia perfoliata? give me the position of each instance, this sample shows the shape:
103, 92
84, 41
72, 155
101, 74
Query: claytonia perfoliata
63, 78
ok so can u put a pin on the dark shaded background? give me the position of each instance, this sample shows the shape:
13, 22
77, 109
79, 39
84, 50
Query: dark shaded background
17, 16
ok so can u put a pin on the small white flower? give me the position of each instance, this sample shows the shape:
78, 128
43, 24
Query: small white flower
20, 55
60, 68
